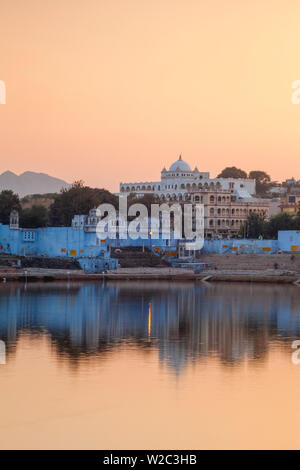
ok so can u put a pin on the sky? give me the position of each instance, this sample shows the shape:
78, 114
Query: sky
111, 91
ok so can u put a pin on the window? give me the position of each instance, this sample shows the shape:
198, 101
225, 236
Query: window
28, 236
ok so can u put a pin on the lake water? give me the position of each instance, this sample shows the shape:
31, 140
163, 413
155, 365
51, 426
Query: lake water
149, 365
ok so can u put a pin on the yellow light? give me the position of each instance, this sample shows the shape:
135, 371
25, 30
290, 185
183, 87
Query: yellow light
149, 322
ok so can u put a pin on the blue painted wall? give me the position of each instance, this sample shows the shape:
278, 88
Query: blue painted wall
289, 240
66, 241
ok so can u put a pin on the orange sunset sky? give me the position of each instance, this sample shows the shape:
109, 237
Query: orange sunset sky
113, 90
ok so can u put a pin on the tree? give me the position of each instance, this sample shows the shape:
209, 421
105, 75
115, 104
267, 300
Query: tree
254, 226
78, 199
232, 172
8, 201
278, 222
262, 181
147, 200
36, 216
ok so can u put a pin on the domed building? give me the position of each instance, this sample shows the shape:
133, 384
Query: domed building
227, 201
180, 165
180, 181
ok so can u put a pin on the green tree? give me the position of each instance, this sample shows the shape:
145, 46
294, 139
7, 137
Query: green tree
147, 200
262, 179
282, 221
8, 201
78, 199
36, 216
232, 172
254, 226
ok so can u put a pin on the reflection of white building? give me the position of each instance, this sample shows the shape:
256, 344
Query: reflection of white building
179, 181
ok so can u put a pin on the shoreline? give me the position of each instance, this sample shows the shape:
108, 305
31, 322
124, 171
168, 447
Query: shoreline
149, 274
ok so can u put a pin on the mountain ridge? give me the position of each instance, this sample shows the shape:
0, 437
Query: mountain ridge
31, 182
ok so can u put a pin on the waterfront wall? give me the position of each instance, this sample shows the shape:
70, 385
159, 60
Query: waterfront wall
240, 246
50, 241
289, 240
67, 242
98, 265
70, 242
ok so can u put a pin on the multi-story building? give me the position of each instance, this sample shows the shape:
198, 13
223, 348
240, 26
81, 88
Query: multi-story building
290, 202
225, 213
227, 201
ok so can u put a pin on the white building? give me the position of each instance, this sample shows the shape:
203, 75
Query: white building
177, 183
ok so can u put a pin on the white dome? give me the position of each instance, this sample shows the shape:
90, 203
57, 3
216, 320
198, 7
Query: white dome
181, 165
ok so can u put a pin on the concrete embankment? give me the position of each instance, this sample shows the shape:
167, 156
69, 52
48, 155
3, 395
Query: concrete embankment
148, 274
278, 268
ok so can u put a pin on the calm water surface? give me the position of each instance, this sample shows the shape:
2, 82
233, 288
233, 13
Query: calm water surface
149, 365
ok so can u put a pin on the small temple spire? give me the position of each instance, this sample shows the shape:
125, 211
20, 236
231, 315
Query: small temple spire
180, 157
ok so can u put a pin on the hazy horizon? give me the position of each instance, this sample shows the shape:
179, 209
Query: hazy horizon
115, 187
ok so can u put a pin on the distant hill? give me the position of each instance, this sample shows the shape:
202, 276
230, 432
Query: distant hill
30, 182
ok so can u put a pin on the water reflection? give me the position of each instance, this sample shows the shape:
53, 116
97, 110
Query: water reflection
185, 322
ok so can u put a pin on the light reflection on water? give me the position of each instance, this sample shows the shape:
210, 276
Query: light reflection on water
181, 339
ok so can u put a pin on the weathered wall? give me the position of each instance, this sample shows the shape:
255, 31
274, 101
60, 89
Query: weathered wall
66, 241
240, 245
289, 240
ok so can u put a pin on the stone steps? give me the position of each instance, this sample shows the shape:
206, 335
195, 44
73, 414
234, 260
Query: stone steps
252, 262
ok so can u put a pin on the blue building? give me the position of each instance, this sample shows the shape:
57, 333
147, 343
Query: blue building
81, 242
